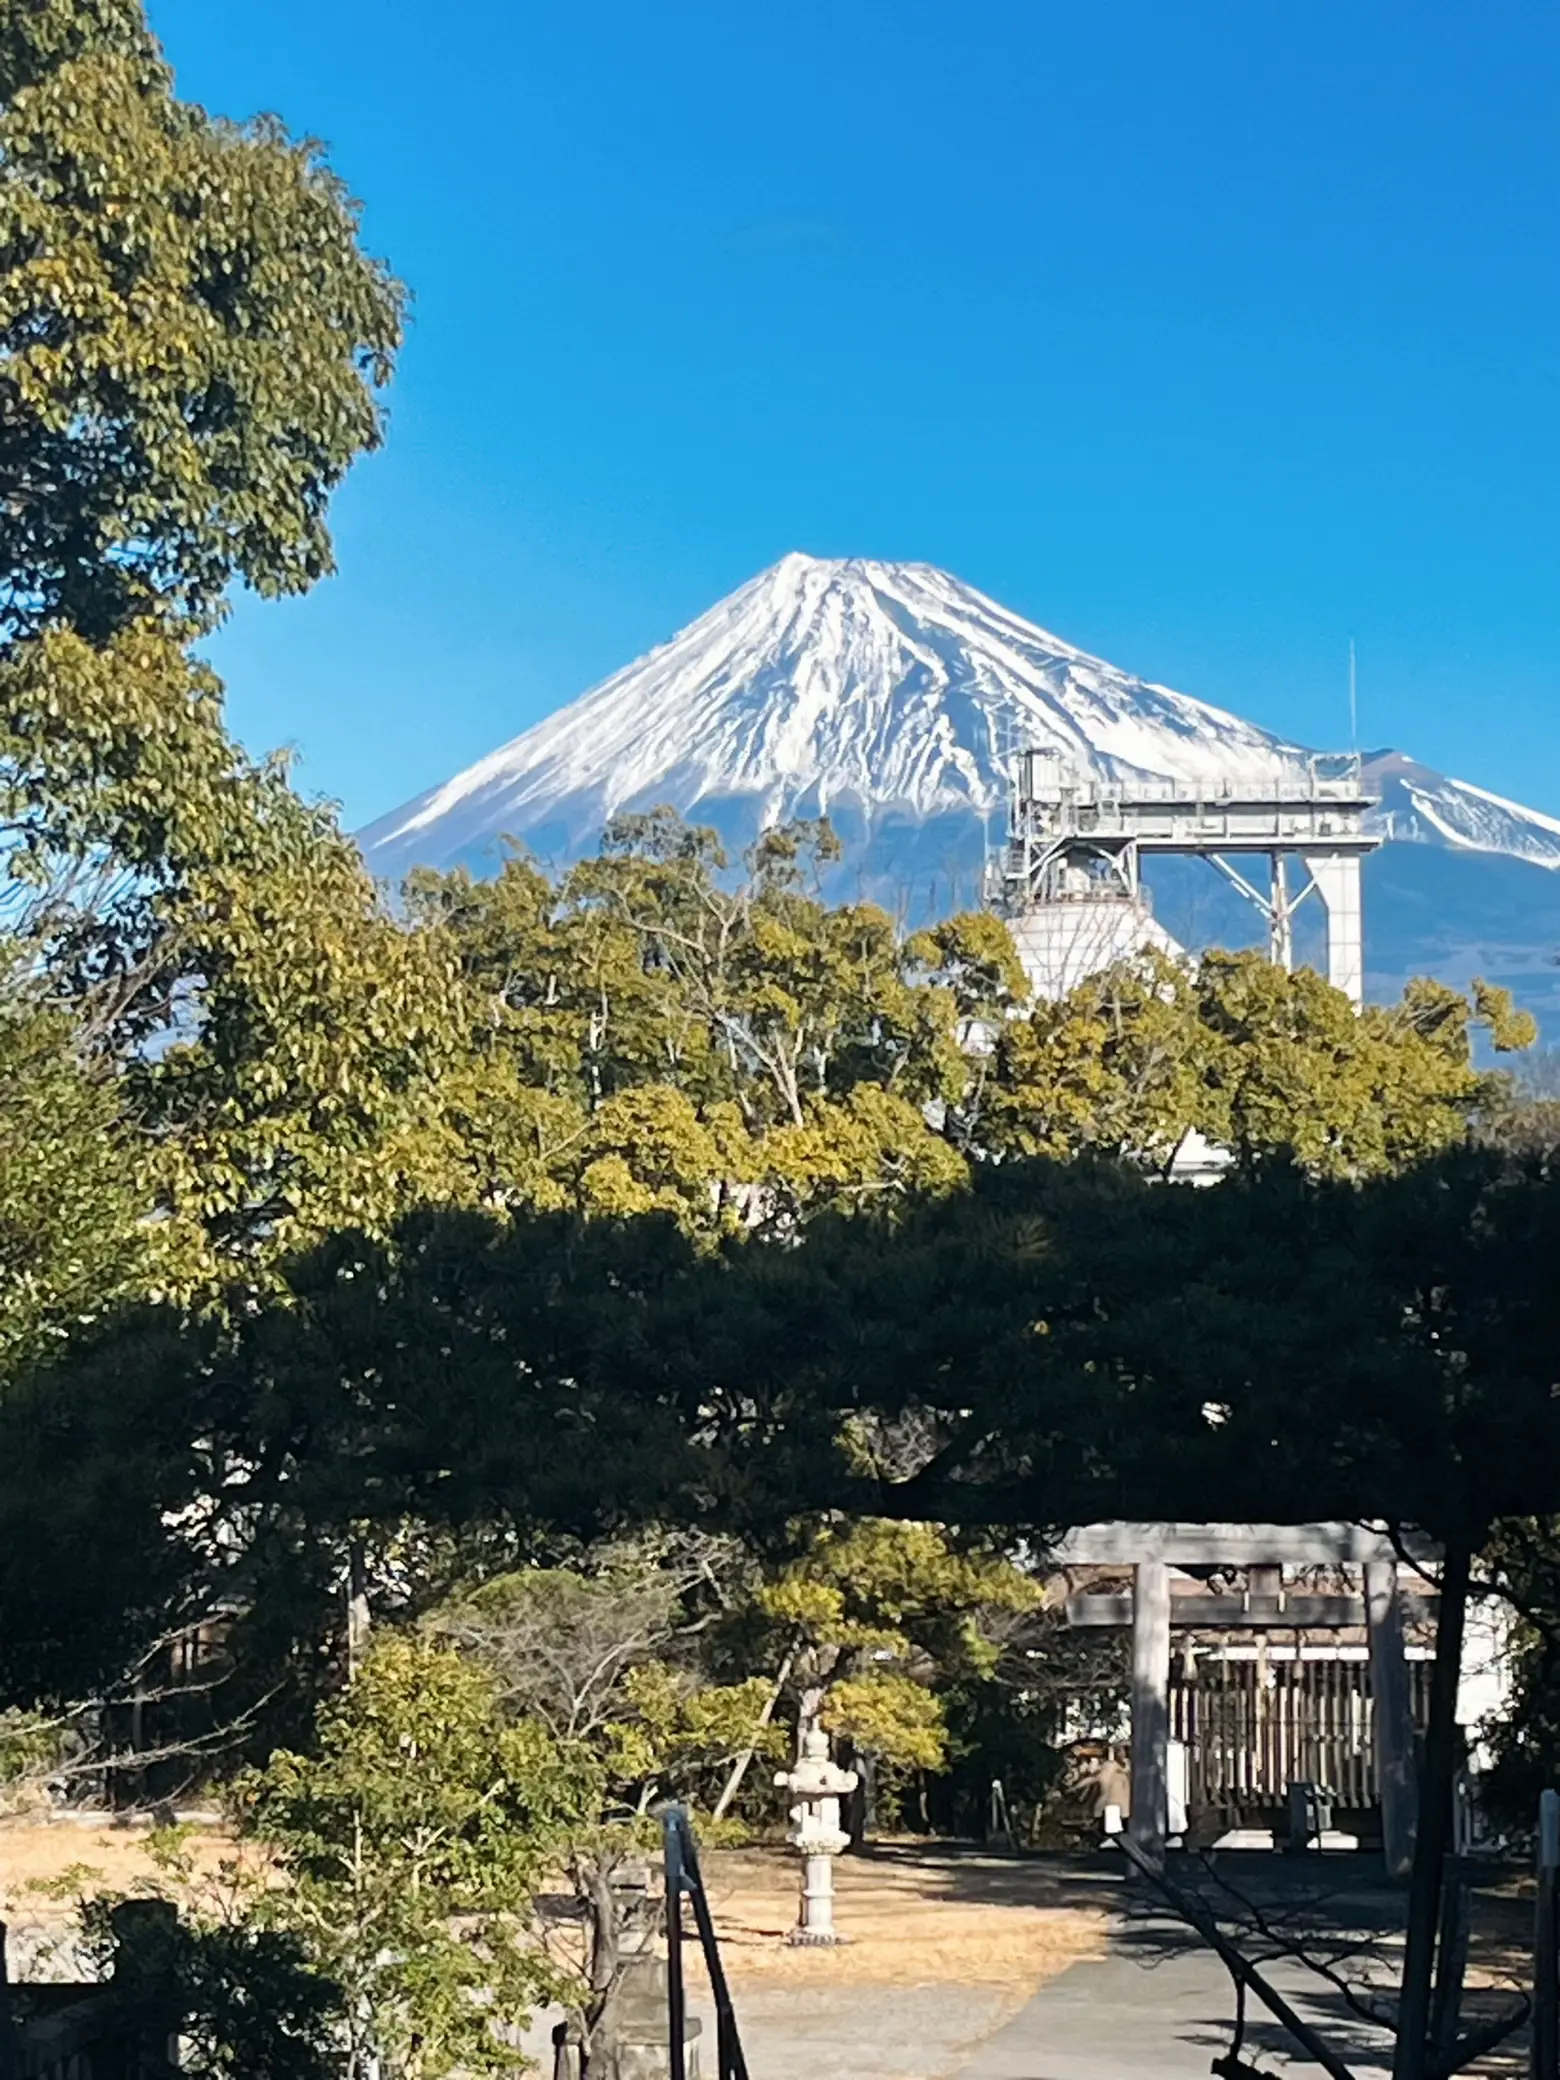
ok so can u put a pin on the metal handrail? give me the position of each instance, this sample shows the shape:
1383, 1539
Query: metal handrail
1326, 776
683, 1876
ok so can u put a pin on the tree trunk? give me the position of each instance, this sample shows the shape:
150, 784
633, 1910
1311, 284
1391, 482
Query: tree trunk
1413, 2056
809, 1712
599, 2047
1451, 1967
863, 1800
744, 1761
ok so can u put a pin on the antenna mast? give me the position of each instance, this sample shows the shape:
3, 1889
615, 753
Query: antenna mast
1354, 703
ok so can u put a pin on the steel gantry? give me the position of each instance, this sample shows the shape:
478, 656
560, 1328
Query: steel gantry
1071, 871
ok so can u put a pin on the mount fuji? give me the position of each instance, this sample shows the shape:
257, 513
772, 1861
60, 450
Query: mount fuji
891, 697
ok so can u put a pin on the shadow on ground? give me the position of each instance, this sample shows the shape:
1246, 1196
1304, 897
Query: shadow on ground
1161, 2005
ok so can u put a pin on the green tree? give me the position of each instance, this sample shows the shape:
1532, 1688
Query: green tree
297, 1089
191, 346
653, 1032
879, 1620
221, 954
410, 1848
70, 1239
1258, 1061
609, 1657
190, 337
657, 1030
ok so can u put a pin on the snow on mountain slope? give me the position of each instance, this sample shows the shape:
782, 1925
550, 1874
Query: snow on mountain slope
875, 689
1422, 807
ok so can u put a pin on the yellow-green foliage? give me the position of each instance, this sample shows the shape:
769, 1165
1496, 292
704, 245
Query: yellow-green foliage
600, 1657
678, 1735
190, 346
877, 1613
220, 956
1257, 1060
189, 335
891, 1716
71, 1243
32, 1746
652, 1035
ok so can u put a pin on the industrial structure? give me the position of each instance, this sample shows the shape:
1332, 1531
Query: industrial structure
1069, 879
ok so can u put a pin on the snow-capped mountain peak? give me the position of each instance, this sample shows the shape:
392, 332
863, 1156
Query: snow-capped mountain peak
892, 697
822, 686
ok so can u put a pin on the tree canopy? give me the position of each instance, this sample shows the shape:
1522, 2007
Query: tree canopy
192, 343
190, 337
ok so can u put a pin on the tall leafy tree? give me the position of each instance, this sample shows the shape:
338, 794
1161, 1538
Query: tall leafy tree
72, 1240
654, 1032
192, 343
1260, 1062
190, 336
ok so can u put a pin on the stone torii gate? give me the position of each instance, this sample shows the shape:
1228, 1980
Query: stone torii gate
1151, 1550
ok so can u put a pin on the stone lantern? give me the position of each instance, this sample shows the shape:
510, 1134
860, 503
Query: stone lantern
816, 1787
639, 2049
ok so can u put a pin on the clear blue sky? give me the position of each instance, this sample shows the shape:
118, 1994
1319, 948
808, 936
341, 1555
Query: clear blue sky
1206, 333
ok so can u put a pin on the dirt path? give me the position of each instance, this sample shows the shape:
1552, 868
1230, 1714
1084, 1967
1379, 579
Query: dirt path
911, 1915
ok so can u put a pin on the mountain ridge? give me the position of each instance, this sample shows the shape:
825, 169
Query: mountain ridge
892, 684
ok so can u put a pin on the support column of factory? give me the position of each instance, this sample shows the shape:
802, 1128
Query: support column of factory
1278, 906
1336, 876
1281, 916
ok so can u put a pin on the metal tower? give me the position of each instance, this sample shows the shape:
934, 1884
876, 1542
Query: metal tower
1070, 876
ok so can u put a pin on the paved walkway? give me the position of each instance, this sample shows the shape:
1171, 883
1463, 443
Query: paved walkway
1140, 2016
1158, 2006
862, 2032
840, 2032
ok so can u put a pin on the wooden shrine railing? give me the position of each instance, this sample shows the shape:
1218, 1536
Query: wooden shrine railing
1251, 1732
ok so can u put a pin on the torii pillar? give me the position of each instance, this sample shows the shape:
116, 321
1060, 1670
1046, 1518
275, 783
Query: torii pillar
1148, 1823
